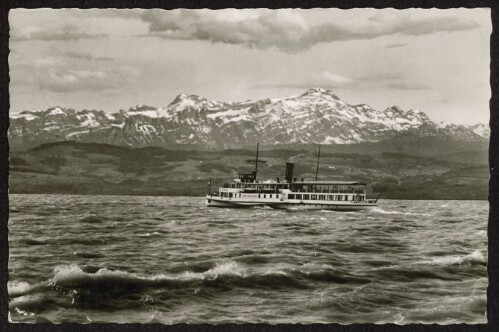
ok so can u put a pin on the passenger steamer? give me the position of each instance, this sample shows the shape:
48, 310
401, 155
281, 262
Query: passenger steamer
248, 191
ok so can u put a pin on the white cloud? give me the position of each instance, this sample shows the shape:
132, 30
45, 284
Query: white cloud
328, 80
54, 77
64, 33
323, 79
287, 30
70, 80
85, 56
46, 62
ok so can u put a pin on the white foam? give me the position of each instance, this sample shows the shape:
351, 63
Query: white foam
275, 272
17, 287
475, 256
226, 268
148, 234
73, 273
121, 125
399, 319
69, 273
21, 312
380, 210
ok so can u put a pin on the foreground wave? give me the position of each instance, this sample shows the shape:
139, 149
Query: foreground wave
228, 273
171, 260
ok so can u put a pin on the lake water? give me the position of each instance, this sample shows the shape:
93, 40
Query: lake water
173, 260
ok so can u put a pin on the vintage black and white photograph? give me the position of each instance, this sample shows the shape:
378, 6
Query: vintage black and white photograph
249, 165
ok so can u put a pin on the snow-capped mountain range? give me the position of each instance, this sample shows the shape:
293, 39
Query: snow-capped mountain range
316, 116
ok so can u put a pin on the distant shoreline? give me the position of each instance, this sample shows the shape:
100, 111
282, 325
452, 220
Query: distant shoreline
202, 197
99, 169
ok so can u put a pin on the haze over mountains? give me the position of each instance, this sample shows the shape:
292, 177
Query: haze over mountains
316, 116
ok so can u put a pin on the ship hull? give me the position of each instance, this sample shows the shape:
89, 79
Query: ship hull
346, 207
216, 201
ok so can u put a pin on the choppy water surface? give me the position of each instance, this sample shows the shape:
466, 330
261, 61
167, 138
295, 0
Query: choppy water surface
173, 260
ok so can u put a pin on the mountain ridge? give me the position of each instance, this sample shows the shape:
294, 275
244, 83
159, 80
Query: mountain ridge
315, 116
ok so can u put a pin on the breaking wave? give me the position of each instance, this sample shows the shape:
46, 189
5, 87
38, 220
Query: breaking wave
227, 273
380, 210
74, 276
476, 257
149, 234
16, 288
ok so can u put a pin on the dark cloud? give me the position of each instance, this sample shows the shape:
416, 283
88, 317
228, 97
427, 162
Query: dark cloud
395, 45
65, 33
85, 56
285, 30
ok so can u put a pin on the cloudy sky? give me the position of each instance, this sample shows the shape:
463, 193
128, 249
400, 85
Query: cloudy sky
433, 60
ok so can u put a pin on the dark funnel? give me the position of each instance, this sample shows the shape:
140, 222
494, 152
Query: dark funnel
289, 172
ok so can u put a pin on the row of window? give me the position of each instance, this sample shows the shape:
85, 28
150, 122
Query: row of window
332, 191
326, 197
230, 195
252, 185
357, 198
304, 189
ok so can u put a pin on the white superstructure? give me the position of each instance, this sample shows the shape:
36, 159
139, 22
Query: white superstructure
247, 191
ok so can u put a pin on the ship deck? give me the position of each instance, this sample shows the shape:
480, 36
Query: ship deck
292, 204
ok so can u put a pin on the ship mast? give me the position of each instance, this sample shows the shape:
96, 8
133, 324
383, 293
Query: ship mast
256, 162
318, 158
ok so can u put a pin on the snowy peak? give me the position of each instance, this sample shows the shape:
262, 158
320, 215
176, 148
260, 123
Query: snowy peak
318, 92
55, 111
143, 111
185, 100
481, 129
315, 116
193, 102
178, 99
52, 111
141, 108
